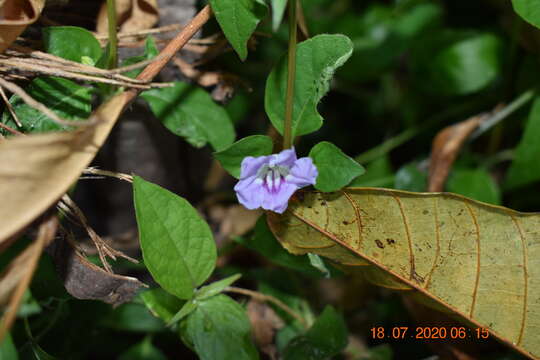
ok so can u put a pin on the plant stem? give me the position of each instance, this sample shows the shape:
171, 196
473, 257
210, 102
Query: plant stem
113, 40
291, 74
268, 298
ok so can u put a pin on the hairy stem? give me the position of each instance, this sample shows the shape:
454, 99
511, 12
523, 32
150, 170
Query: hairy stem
289, 101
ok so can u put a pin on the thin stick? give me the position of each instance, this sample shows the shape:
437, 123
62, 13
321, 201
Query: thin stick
268, 298
113, 40
39, 106
135, 66
291, 74
96, 171
10, 108
7, 128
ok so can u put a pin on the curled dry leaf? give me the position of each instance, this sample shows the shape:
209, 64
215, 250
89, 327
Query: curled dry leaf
235, 220
131, 15
15, 17
264, 324
466, 257
88, 281
445, 149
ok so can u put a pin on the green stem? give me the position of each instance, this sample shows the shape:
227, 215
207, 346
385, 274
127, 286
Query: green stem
113, 40
291, 74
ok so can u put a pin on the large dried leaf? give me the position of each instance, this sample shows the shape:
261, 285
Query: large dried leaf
131, 15
36, 170
16, 16
476, 260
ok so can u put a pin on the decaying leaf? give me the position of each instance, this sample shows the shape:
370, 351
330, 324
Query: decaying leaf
131, 15
264, 324
16, 16
88, 281
476, 260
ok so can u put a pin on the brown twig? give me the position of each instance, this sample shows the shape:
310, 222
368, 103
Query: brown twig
135, 66
7, 128
10, 107
268, 298
96, 171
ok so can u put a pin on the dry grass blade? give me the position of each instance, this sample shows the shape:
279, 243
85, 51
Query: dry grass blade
10, 107
19, 273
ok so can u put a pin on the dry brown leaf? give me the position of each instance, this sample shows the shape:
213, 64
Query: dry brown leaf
445, 148
36, 170
15, 16
87, 281
15, 279
235, 220
131, 15
264, 323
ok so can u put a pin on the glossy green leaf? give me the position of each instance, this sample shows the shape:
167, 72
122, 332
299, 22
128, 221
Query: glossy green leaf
529, 10
317, 59
231, 157
8, 351
524, 168
143, 351
177, 245
216, 287
410, 178
133, 317
150, 51
317, 262
66, 98
238, 19
336, 169
189, 111
71, 43
219, 329
326, 338
161, 304
473, 259
474, 183
457, 62
184, 311
278, 10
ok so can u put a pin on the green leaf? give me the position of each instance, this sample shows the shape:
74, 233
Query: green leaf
133, 317
278, 10
474, 183
150, 51
66, 98
143, 351
71, 43
317, 262
335, 168
238, 19
189, 111
187, 309
529, 10
177, 244
524, 168
161, 304
219, 329
7, 349
378, 174
317, 59
409, 178
231, 158
216, 287
266, 244
325, 339
457, 62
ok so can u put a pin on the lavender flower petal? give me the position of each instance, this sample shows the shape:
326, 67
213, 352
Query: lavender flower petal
303, 173
250, 193
285, 158
278, 202
250, 165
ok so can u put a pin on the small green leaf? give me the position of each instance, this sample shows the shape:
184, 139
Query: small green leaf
189, 111
187, 309
278, 10
318, 263
325, 339
161, 304
71, 43
177, 244
150, 51
238, 19
317, 59
457, 62
133, 317
529, 10
409, 178
7, 349
66, 98
524, 168
216, 287
143, 351
378, 174
474, 183
219, 329
231, 158
335, 168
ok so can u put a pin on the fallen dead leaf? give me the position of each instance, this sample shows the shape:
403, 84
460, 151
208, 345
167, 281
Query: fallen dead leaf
264, 324
15, 16
131, 15
234, 220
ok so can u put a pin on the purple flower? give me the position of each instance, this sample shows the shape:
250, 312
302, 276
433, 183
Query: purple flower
269, 181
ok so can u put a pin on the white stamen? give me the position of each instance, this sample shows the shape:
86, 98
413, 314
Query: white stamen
277, 178
270, 180
258, 181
